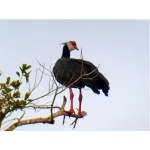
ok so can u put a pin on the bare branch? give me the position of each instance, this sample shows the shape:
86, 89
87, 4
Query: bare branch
49, 120
53, 103
35, 82
17, 119
42, 107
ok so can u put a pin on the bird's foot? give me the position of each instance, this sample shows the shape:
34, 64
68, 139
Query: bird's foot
74, 122
80, 115
77, 116
71, 111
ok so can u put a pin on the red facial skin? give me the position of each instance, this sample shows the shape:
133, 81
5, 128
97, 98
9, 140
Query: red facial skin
75, 45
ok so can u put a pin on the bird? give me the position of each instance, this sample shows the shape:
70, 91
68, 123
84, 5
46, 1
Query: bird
78, 73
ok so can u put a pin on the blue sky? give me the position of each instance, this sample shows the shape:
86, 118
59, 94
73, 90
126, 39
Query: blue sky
120, 47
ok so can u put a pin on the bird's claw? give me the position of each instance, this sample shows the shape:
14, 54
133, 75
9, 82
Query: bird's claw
77, 116
74, 122
70, 112
80, 115
63, 120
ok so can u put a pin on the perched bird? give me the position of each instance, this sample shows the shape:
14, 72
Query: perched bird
78, 73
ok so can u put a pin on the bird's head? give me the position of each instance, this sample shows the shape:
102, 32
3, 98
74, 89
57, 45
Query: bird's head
71, 45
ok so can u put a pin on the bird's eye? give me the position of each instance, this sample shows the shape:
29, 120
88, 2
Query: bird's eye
73, 43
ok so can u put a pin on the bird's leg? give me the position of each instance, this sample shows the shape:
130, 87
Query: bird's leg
71, 101
80, 102
79, 111
71, 111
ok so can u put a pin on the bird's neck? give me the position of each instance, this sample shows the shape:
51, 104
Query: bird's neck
66, 52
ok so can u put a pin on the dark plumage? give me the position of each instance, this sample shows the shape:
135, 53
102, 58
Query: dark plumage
78, 73
67, 71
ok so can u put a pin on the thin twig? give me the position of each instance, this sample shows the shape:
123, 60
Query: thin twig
53, 103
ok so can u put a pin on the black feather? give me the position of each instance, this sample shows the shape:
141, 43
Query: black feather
79, 73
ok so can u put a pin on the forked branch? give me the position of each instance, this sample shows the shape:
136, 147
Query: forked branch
49, 119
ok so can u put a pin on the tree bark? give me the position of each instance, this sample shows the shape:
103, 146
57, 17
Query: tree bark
49, 120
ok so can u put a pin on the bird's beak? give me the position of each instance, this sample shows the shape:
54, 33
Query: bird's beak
76, 48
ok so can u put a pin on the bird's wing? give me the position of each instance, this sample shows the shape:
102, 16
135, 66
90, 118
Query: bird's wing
91, 68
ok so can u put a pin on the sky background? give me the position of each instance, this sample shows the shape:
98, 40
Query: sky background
120, 47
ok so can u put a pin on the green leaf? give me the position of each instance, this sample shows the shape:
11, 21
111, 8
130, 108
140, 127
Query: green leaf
9, 96
29, 66
4, 93
24, 67
18, 73
15, 84
5, 88
8, 90
27, 76
2, 85
21, 69
23, 103
16, 94
8, 80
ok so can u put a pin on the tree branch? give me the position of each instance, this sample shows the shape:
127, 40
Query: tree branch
48, 120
